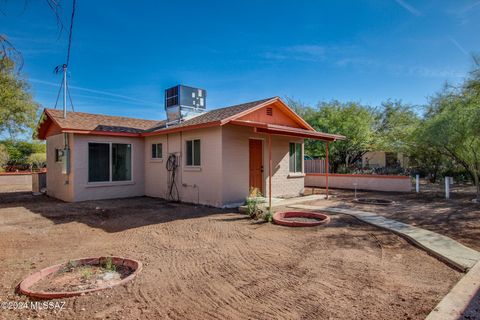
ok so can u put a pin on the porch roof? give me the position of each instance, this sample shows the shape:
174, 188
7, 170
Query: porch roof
275, 129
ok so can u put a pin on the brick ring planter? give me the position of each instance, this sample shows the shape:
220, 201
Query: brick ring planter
282, 218
375, 201
27, 283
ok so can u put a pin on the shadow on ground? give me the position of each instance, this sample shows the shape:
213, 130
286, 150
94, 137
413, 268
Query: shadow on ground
113, 215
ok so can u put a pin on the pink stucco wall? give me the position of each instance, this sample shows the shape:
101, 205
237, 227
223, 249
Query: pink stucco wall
235, 157
59, 186
200, 184
85, 190
364, 182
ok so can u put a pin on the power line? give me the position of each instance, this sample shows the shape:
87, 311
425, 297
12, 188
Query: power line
71, 31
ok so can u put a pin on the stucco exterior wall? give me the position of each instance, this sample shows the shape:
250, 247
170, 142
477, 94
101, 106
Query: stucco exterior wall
10, 182
60, 186
106, 190
201, 184
363, 182
236, 165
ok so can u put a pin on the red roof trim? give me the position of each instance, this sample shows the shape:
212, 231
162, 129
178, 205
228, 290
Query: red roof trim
288, 131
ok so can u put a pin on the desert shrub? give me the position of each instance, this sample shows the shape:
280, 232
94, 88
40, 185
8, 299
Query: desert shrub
4, 157
37, 160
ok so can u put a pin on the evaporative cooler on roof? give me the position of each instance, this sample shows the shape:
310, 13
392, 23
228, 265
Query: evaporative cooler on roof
182, 103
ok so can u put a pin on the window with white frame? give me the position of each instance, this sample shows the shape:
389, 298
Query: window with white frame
109, 162
192, 150
296, 157
156, 151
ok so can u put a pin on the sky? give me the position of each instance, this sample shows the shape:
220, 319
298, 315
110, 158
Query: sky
125, 53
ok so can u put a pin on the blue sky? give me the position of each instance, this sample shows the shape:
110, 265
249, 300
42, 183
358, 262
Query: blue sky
125, 53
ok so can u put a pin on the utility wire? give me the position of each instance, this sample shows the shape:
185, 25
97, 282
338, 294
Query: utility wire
71, 31
58, 95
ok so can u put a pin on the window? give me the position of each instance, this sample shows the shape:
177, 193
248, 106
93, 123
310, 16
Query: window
109, 162
296, 157
193, 152
157, 151
59, 155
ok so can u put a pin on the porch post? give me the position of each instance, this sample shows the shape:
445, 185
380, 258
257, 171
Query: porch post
270, 172
326, 172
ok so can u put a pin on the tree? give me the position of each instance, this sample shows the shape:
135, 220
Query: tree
18, 111
350, 119
396, 124
452, 126
4, 157
19, 151
37, 160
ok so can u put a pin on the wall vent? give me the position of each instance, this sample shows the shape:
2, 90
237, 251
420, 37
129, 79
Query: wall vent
269, 112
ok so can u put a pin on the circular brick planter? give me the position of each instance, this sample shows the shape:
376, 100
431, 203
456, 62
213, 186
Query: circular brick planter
375, 201
27, 283
282, 218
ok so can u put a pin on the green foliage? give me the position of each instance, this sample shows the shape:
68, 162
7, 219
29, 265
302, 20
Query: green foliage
396, 125
20, 151
268, 215
253, 203
351, 119
18, 112
4, 157
451, 127
37, 160
108, 264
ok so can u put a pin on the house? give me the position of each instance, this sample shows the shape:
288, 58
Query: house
382, 159
212, 158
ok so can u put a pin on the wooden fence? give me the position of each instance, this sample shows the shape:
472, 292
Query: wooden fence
315, 166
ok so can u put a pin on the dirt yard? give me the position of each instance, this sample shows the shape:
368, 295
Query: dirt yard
457, 218
204, 263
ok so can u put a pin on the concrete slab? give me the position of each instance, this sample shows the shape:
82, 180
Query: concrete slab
442, 247
463, 301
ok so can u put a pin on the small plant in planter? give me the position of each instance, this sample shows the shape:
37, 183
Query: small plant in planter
253, 204
268, 215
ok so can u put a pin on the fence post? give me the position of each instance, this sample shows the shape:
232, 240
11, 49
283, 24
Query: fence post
447, 188
417, 183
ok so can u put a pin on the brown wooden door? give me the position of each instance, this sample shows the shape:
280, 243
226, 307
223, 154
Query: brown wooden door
256, 165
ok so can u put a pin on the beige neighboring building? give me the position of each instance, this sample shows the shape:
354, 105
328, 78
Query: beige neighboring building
212, 158
381, 159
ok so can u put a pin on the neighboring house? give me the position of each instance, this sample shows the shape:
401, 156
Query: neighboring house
382, 159
214, 158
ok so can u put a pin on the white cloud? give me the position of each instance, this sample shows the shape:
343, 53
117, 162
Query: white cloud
409, 7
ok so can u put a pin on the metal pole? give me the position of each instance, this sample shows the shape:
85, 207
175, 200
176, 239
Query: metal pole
326, 173
64, 91
270, 172
417, 183
447, 188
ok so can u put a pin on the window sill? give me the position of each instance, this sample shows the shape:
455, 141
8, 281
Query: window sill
109, 184
156, 159
189, 168
296, 175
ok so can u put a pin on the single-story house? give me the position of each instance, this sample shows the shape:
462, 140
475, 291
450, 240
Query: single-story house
382, 159
214, 158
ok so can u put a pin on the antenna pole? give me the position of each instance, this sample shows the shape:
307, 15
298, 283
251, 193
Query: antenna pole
64, 91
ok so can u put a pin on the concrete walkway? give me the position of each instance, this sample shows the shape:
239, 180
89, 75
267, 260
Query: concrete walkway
442, 247
463, 301
280, 202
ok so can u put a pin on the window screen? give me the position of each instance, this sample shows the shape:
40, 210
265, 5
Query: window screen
296, 157
121, 162
156, 151
98, 162
193, 152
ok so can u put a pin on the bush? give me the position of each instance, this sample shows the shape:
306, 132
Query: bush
37, 160
4, 157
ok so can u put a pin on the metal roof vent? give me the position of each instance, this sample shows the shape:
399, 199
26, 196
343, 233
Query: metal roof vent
183, 103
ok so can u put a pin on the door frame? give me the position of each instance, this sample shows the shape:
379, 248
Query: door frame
262, 140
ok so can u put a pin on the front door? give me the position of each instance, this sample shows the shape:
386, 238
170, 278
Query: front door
256, 166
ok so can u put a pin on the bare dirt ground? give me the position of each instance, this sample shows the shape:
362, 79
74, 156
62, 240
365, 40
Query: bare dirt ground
457, 218
205, 263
